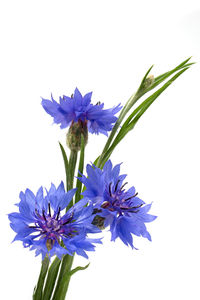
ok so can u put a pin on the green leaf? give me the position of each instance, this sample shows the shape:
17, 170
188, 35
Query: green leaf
181, 65
65, 282
62, 288
63, 279
137, 113
70, 179
51, 279
159, 79
80, 169
72, 272
96, 161
143, 80
133, 99
72, 166
65, 162
143, 107
37, 294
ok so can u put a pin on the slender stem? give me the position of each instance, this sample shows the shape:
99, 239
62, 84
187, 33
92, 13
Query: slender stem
136, 114
66, 163
123, 113
72, 166
37, 294
80, 169
51, 279
140, 92
67, 260
62, 284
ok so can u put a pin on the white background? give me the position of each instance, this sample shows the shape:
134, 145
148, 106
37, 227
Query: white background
106, 47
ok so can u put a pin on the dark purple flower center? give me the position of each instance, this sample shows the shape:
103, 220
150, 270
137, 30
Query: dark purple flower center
118, 200
53, 227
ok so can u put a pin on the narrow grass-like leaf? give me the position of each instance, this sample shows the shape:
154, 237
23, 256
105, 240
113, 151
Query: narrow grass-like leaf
72, 272
143, 107
80, 169
149, 99
164, 76
70, 180
137, 113
51, 279
63, 279
39, 288
177, 68
144, 79
96, 161
134, 98
65, 282
159, 79
72, 166
66, 163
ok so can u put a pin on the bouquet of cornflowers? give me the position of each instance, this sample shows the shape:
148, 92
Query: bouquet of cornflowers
62, 221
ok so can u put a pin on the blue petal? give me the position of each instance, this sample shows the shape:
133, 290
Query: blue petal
26, 211
87, 98
77, 96
61, 189
58, 250
100, 120
67, 198
50, 107
137, 201
115, 172
124, 231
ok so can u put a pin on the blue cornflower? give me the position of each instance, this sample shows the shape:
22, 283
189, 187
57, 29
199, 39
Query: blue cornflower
122, 210
79, 109
41, 225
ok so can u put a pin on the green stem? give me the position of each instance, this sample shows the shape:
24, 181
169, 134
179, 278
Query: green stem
136, 115
80, 169
37, 294
66, 264
66, 163
72, 166
51, 279
123, 113
133, 99
63, 280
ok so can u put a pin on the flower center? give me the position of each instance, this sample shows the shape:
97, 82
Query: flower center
53, 227
118, 200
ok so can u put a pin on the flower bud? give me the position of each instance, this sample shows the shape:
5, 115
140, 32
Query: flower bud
99, 222
74, 135
49, 244
148, 81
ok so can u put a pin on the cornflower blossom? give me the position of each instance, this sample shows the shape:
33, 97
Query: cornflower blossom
41, 224
78, 108
121, 209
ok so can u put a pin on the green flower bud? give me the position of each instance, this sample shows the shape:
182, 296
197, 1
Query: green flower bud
99, 222
74, 135
49, 244
148, 81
